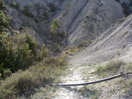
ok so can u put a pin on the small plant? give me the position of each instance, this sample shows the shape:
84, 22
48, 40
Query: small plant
54, 28
113, 67
15, 5
43, 53
26, 11
2, 6
61, 34
4, 20
71, 50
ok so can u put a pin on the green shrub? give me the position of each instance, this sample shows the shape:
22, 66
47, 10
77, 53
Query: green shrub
18, 52
44, 52
62, 34
15, 5
55, 26
32, 43
24, 83
112, 67
7, 73
2, 4
26, 11
4, 20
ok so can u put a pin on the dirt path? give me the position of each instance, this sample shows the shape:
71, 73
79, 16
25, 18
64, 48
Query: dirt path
76, 74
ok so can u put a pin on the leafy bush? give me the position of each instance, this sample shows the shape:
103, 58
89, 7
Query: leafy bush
15, 5
55, 26
4, 20
2, 4
19, 52
44, 52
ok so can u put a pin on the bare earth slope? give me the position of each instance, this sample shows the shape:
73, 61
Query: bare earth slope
82, 20
116, 42
87, 19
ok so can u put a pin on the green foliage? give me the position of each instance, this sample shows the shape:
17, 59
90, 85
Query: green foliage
32, 43
55, 26
5, 50
112, 67
26, 11
15, 5
7, 73
24, 83
2, 6
47, 93
4, 20
62, 34
44, 52
18, 52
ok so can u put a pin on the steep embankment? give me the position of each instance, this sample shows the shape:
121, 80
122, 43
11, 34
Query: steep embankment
33, 16
87, 19
81, 20
114, 43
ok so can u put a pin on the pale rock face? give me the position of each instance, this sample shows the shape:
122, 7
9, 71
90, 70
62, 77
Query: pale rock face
82, 20
42, 16
114, 43
126, 1
87, 19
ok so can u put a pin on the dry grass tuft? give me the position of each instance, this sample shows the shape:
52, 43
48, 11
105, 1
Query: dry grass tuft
24, 83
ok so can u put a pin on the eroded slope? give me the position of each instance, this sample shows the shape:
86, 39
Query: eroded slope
114, 43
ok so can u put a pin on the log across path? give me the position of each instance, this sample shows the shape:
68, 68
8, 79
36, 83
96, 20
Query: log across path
94, 82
